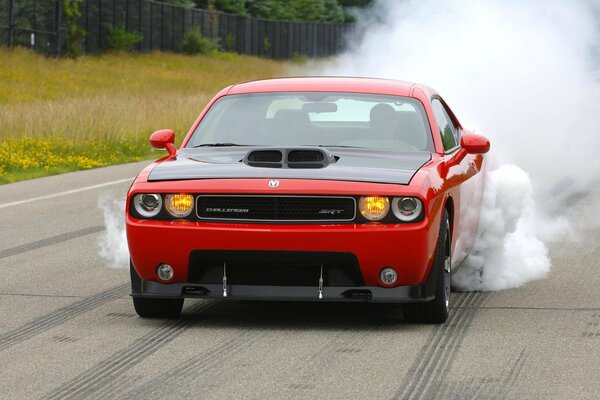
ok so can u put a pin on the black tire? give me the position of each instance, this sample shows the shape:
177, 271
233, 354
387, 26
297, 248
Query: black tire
157, 307
436, 311
152, 307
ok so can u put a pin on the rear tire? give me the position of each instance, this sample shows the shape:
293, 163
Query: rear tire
152, 307
157, 308
436, 311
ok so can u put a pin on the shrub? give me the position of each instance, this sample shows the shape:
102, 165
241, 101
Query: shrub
194, 43
266, 44
121, 40
229, 42
74, 35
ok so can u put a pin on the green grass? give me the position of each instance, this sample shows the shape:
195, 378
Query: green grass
64, 115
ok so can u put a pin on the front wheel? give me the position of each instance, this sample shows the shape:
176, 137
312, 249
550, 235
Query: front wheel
436, 311
157, 308
152, 307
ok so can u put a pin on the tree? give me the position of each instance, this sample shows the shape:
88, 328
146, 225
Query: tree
355, 3
186, 3
285, 10
229, 6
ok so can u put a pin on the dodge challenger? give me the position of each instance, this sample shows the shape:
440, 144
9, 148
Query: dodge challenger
309, 189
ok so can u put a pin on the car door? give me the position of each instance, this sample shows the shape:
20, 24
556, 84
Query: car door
466, 182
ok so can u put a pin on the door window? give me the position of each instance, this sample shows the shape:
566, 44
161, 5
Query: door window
448, 131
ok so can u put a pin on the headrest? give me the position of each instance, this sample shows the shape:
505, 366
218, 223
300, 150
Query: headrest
382, 111
291, 116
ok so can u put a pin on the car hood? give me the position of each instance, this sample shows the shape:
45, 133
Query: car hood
361, 165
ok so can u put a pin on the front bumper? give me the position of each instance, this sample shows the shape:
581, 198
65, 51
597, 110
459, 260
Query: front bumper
399, 294
408, 248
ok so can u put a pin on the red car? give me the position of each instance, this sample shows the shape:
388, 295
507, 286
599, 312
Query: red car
310, 189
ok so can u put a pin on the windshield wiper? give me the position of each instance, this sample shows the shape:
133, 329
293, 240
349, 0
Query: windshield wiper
337, 145
220, 145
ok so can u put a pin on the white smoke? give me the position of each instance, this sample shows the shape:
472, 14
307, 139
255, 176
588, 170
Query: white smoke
507, 251
516, 72
113, 241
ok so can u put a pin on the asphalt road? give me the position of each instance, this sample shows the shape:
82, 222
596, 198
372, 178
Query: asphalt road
68, 328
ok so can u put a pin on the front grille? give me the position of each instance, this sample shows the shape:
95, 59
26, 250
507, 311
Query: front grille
274, 268
276, 208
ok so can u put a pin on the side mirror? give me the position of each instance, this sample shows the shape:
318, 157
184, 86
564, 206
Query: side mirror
475, 144
164, 139
469, 144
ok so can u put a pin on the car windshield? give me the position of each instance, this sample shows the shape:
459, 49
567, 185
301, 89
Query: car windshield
315, 119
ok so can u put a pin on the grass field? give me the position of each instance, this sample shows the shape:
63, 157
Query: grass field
63, 115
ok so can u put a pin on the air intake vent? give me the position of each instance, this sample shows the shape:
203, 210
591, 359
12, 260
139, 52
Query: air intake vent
305, 156
265, 158
289, 158
273, 156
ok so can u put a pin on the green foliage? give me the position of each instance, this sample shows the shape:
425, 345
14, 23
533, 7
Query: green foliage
266, 44
185, 3
285, 10
299, 58
229, 6
195, 43
74, 35
229, 42
121, 40
355, 3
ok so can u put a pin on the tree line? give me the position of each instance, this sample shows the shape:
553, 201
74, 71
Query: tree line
283, 10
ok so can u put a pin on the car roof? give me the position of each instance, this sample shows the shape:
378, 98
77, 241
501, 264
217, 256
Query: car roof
329, 84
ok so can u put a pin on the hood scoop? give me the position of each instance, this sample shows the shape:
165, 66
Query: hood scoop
304, 157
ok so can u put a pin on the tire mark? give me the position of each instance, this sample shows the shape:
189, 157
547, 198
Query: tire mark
42, 324
432, 343
116, 383
101, 377
492, 387
347, 340
439, 366
514, 373
50, 241
436, 357
442, 364
472, 389
191, 369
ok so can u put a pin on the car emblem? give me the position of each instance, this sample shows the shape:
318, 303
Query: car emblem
273, 183
332, 212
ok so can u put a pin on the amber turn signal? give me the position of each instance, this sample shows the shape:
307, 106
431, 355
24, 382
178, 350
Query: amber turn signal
374, 208
179, 205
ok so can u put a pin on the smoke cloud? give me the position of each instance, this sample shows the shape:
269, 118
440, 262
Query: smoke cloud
520, 73
113, 242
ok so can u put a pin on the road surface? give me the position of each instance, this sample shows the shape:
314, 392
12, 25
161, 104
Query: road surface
68, 329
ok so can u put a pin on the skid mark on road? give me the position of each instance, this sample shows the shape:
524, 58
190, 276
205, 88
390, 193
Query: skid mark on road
42, 324
193, 369
592, 327
102, 379
346, 343
50, 241
493, 387
435, 359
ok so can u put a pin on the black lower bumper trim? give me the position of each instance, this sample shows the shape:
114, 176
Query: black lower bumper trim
400, 294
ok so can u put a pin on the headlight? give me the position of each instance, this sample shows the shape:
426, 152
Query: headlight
407, 208
374, 208
179, 205
147, 205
